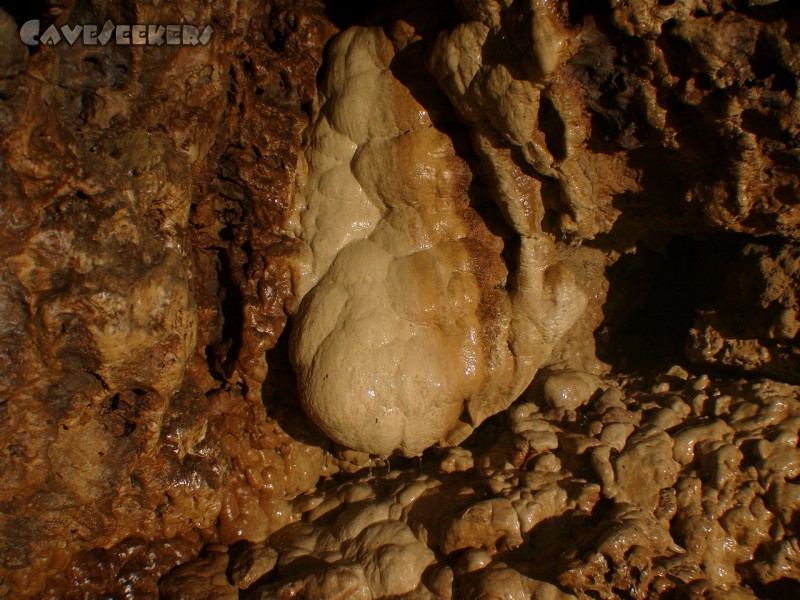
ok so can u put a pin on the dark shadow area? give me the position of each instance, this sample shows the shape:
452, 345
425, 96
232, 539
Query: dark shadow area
232, 314
782, 589
344, 13
549, 540
579, 9
280, 397
555, 132
408, 66
281, 382
424, 15
654, 295
24, 10
766, 64
486, 435
785, 10
252, 591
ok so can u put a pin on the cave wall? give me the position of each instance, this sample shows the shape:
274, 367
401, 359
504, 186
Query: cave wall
149, 262
144, 196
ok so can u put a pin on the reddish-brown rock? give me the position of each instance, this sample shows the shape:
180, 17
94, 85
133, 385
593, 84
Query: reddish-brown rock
151, 441
144, 192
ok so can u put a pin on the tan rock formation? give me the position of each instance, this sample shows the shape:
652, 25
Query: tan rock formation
411, 331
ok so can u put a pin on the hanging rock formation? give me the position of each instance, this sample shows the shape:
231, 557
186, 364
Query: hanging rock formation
412, 319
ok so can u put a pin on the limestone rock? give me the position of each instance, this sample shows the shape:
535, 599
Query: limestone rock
411, 330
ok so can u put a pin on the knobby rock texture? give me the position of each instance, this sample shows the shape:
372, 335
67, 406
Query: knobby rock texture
136, 317
444, 299
413, 318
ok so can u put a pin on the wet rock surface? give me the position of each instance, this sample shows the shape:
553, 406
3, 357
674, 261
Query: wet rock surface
414, 330
649, 487
128, 437
604, 192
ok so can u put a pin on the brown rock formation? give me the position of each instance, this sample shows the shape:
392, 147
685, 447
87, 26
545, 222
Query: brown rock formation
131, 210
160, 227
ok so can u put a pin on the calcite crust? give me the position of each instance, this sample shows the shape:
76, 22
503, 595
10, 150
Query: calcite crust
412, 319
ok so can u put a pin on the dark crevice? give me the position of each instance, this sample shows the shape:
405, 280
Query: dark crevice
654, 295
580, 9
765, 65
779, 589
232, 314
553, 128
345, 13
424, 15
23, 11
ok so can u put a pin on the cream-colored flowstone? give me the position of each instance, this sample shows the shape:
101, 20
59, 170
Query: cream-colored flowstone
411, 330
652, 486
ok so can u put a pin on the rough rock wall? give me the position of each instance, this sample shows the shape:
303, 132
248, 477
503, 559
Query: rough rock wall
147, 416
144, 193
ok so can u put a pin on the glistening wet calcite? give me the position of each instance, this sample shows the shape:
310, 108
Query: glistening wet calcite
414, 330
648, 487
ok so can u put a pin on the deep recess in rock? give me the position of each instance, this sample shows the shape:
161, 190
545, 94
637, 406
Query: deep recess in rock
156, 262
656, 293
23, 11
